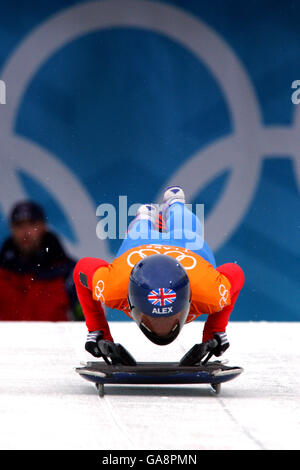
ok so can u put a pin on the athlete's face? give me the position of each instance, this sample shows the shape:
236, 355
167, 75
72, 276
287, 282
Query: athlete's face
161, 326
27, 235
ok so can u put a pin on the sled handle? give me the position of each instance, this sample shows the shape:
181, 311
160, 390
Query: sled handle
211, 344
198, 352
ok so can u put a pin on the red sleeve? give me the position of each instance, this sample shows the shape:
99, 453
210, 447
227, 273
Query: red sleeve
217, 322
92, 309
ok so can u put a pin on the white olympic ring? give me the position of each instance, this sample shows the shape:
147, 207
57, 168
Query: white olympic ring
241, 153
99, 288
191, 317
224, 293
141, 254
180, 256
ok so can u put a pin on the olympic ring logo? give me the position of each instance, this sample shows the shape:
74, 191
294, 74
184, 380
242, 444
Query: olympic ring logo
224, 293
191, 317
180, 256
141, 255
241, 153
99, 290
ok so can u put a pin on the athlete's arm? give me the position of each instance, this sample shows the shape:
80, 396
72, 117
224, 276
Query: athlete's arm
92, 309
217, 322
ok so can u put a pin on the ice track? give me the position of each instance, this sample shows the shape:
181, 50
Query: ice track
44, 404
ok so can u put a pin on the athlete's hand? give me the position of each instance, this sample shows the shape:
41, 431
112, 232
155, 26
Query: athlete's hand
222, 345
92, 340
115, 353
198, 352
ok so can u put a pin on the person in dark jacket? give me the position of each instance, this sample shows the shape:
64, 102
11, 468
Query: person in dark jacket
35, 272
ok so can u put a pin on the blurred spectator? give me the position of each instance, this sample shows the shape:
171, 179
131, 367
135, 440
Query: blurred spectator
35, 272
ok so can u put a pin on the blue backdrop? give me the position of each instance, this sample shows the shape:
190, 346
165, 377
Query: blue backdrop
123, 97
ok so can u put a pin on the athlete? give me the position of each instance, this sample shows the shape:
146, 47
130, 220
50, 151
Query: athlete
164, 275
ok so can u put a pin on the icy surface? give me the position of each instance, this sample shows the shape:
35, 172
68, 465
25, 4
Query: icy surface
45, 404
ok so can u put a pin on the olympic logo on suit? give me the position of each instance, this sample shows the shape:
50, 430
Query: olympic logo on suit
99, 288
144, 252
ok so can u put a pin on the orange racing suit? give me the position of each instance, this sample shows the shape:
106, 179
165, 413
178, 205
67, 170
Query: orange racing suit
214, 291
